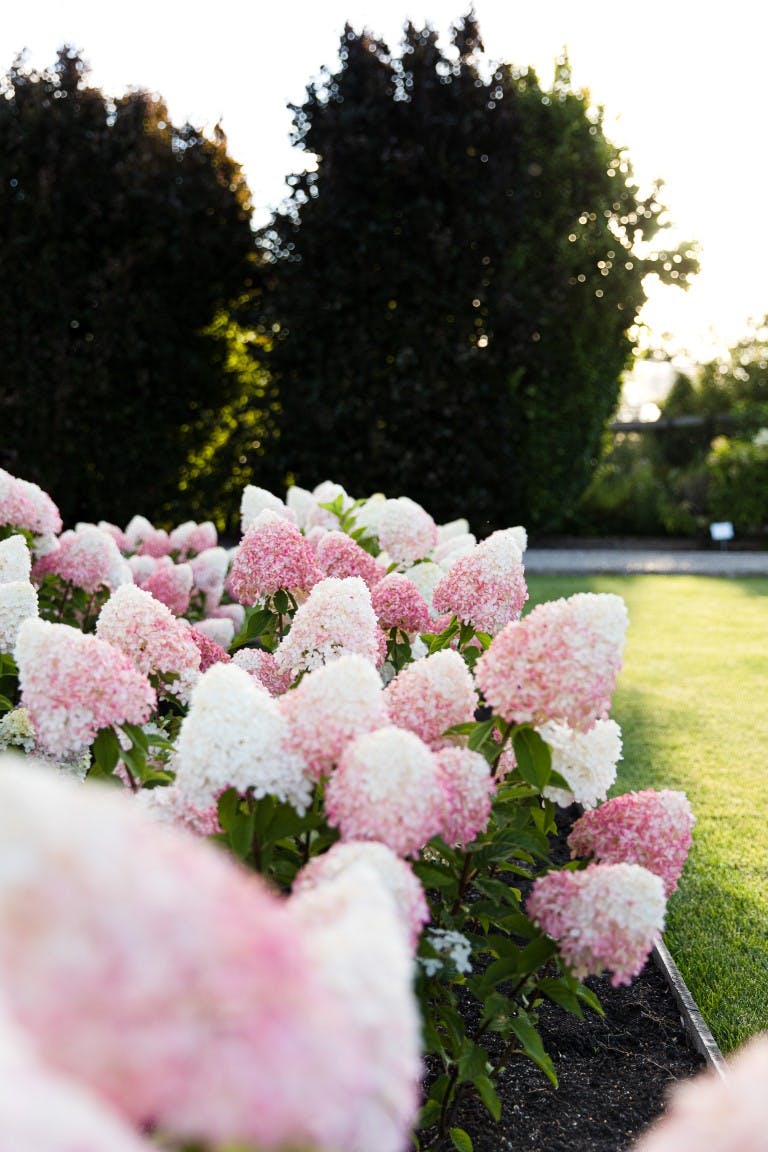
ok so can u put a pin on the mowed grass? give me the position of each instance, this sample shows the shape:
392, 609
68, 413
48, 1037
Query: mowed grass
692, 702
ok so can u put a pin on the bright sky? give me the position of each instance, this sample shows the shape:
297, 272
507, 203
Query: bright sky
683, 87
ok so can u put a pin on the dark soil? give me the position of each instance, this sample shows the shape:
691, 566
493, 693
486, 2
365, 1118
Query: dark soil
614, 1071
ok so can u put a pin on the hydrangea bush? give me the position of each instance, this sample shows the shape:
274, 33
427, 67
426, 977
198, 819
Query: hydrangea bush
320, 905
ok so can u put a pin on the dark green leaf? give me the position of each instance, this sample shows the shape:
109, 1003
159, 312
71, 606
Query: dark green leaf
461, 1140
489, 1096
106, 753
533, 755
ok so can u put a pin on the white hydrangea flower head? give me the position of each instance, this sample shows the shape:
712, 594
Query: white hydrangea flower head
336, 618
453, 945
219, 629
362, 952
141, 567
18, 602
426, 576
253, 502
451, 530
234, 736
17, 730
15, 560
587, 760
397, 876
446, 554
209, 569
406, 530
138, 529
302, 503
369, 514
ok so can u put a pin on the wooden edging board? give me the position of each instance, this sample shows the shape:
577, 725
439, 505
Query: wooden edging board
699, 1035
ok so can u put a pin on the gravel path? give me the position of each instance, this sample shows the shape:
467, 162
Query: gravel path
594, 561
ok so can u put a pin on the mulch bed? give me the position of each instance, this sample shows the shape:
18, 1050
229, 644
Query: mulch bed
614, 1071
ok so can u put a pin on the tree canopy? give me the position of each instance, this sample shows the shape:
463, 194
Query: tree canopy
122, 236
450, 290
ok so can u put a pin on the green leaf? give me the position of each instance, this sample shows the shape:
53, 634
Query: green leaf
559, 992
532, 1045
488, 1095
429, 1114
280, 601
433, 876
533, 755
227, 807
460, 1140
136, 736
106, 753
5, 704
256, 622
473, 1062
589, 998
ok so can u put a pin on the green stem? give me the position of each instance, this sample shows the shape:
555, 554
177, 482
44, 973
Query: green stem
463, 883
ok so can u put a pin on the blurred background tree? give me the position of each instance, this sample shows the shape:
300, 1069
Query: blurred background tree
450, 290
122, 239
705, 459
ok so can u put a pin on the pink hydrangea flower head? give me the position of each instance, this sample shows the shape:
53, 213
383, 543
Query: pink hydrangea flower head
234, 736
406, 532
116, 533
210, 651
485, 588
606, 917
558, 663
396, 874
189, 539
158, 642
331, 706
586, 760
141, 536
25, 505
431, 695
171, 806
361, 949
86, 557
339, 555
188, 997
171, 584
399, 604
649, 828
469, 789
272, 555
260, 664
15, 560
253, 502
720, 1113
18, 602
233, 612
387, 787
336, 618
74, 1119
73, 685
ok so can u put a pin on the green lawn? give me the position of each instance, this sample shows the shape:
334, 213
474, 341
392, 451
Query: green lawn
693, 706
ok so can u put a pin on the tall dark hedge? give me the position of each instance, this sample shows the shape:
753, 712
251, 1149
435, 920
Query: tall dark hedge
121, 236
450, 292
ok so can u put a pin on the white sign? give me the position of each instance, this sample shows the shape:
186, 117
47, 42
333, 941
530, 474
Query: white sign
721, 530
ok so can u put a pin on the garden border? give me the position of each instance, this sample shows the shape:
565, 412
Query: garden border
699, 1035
